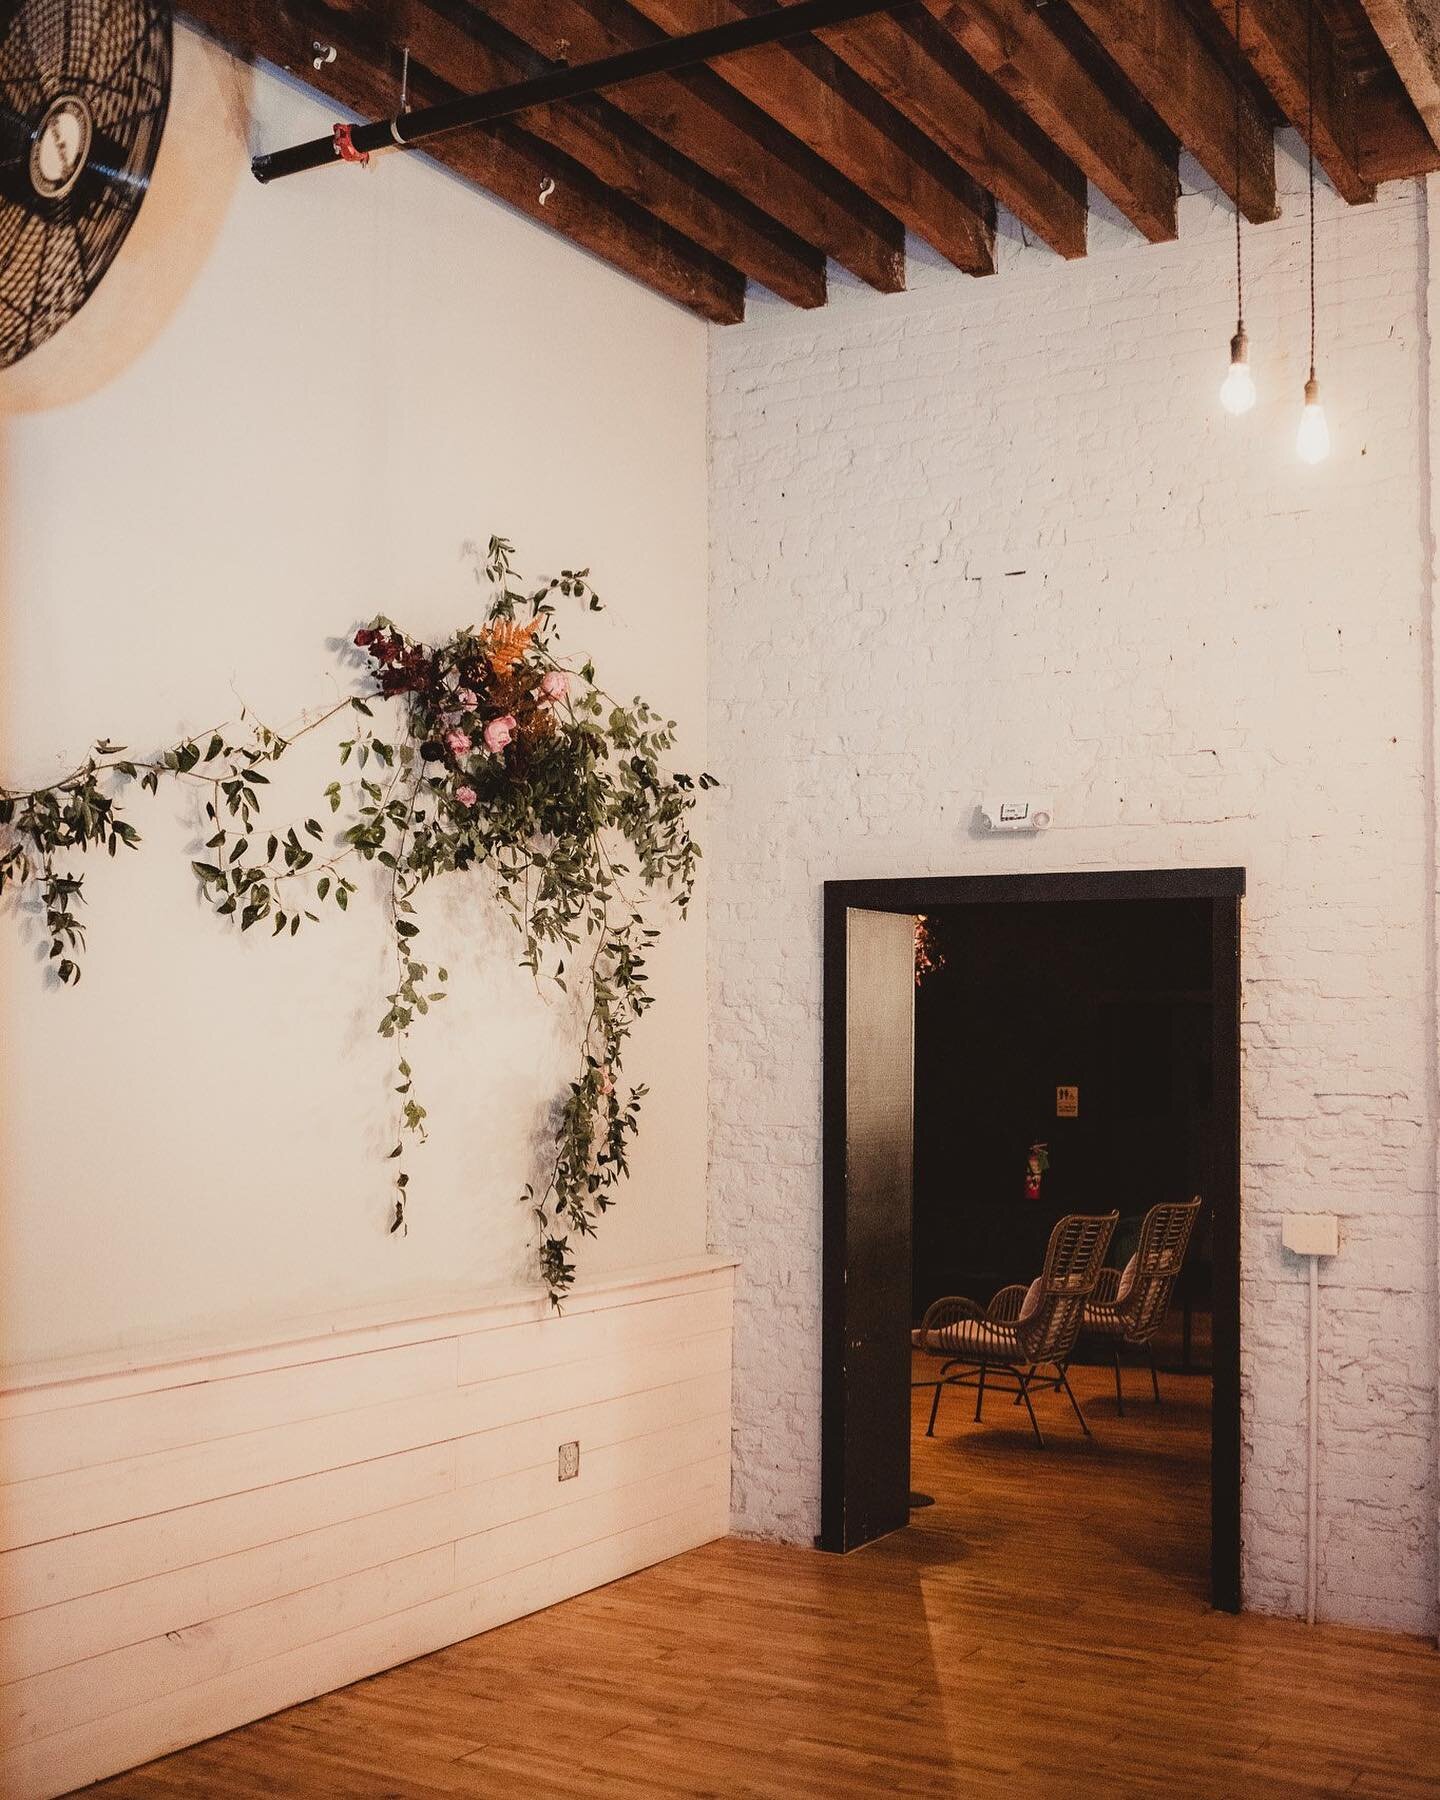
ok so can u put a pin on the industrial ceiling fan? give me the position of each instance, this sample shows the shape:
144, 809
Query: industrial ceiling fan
84, 89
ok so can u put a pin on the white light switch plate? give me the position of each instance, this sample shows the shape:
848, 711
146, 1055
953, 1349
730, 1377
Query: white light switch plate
1311, 1234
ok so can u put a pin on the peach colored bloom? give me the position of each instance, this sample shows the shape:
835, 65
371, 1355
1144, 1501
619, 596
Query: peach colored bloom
457, 742
498, 733
466, 796
554, 685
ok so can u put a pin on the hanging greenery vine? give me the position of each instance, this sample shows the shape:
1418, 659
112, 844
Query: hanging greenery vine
504, 760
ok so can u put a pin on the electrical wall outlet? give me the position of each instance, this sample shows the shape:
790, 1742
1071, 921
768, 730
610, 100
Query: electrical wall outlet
569, 1461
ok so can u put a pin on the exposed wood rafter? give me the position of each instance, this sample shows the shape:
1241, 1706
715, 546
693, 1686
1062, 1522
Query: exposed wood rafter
812, 94
1160, 49
927, 77
1276, 42
781, 138
1089, 111
474, 55
1393, 141
1410, 32
504, 160
719, 129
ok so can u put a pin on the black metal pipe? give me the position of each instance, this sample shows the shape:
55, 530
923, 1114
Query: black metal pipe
663, 57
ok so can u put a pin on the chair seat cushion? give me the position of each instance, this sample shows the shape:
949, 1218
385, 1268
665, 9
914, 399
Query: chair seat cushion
977, 1338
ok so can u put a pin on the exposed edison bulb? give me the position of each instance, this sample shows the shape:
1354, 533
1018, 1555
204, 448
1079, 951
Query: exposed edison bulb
1312, 441
1237, 391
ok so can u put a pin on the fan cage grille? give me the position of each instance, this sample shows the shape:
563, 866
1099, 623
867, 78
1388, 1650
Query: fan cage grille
114, 58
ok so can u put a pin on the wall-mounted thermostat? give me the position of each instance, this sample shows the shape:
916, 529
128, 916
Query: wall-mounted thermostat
1018, 815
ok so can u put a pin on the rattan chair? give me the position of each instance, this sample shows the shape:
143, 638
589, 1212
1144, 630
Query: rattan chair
1010, 1341
1129, 1305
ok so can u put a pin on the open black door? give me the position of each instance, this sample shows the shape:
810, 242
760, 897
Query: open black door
869, 1052
870, 1055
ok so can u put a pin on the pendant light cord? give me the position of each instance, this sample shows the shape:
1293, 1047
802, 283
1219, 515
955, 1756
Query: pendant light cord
1310, 148
1239, 267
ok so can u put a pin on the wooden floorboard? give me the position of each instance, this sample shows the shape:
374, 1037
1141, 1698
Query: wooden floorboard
1041, 1631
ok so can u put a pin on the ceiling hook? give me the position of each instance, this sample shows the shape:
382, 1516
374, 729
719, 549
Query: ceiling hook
547, 188
405, 82
324, 53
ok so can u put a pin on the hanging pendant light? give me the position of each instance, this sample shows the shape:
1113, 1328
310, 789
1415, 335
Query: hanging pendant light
1312, 441
1237, 391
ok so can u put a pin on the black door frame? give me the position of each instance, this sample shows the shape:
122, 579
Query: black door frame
1223, 888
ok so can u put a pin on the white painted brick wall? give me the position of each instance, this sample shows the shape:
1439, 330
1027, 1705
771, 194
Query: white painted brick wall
999, 534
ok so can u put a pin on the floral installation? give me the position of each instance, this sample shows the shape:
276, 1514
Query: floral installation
504, 760
1037, 1161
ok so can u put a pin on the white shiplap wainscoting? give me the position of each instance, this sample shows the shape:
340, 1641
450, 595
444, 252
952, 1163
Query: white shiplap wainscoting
195, 1544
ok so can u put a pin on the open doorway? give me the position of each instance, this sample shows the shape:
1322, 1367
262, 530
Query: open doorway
1071, 1047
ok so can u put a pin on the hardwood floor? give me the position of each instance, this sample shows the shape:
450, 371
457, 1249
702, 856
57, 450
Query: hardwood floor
1040, 1632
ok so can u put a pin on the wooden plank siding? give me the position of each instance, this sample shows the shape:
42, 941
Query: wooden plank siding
190, 1547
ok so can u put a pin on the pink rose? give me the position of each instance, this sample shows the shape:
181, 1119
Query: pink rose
498, 733
554, 685
457, 742
468, 699
466, 796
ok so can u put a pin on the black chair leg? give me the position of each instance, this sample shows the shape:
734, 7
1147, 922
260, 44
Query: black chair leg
1070, 1395
1119, 1396
979, 1393
934, 1408
1154, 1373
1024, 1380
1033, 1368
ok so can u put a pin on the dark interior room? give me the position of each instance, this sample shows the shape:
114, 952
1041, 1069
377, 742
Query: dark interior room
1062, 1065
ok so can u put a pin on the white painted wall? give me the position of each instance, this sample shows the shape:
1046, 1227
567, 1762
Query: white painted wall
994, 534
331, 385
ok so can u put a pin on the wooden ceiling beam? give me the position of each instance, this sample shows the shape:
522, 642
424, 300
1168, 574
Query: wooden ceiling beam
805, 88
1394, 144
926, 76
475, 56
1410, 33
1158, 47
1276, 43
723, 133
1099, 123
506, 161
